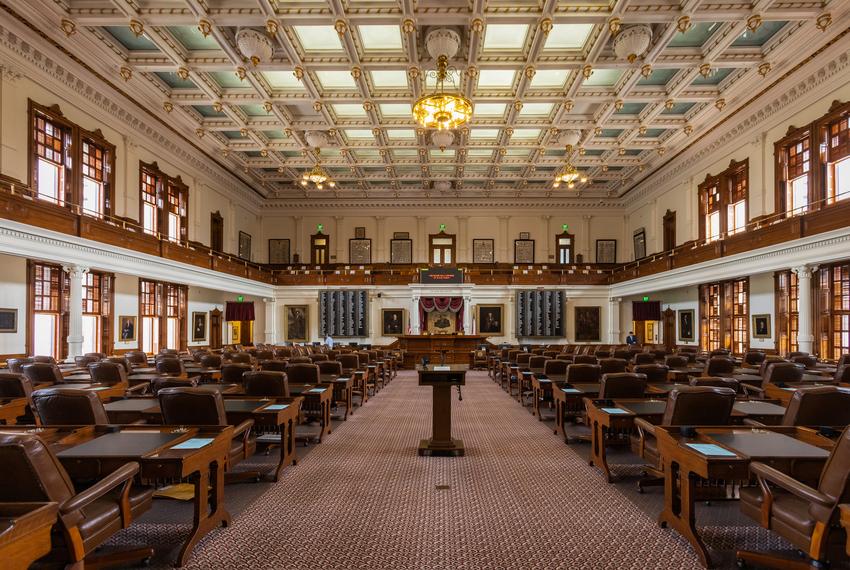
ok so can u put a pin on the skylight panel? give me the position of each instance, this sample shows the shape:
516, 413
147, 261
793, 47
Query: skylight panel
568, 36
336, 80
549, 78
496, 78
348, 110
318, 38
380, 37
505, 37
389, 79
282, 80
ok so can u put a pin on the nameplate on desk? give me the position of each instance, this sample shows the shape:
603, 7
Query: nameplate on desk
710, 449
571, 390
98, 388
316, 390
442, 368
276, 407
790, 389
194, 443
614, 411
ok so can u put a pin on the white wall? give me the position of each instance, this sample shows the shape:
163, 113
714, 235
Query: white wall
763, 301
126, 304
13, 295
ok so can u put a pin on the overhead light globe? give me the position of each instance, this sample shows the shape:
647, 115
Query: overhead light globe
441, 110
632, 42
443, 138
442, 185
254, 45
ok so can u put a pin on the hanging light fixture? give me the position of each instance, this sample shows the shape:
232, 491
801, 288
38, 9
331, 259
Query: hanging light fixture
632, 42
569, 174
441, 110
317, 175
443, 138
253, 45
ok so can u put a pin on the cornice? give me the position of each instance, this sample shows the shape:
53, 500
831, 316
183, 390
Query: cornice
78, 83
401, 203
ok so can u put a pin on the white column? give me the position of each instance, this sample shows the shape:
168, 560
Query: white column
509, 332
271, 321
421, 253
75, 311
546, 246
503, 256
414, 315
296, 240
614, 320
463, 240
467, 315
585, 237
341, 243
373, 328
380, 250
805, 335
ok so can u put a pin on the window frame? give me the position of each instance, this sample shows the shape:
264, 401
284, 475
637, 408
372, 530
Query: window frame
169, 301
718, 193
164, 187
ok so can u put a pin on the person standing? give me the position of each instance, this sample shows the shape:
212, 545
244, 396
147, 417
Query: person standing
329, 341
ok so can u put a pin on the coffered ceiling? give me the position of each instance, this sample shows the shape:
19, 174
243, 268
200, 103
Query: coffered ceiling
353, 68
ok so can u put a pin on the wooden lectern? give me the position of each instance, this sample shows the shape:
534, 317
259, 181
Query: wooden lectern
442, 379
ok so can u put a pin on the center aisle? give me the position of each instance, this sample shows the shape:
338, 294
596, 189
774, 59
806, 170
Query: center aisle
519, 498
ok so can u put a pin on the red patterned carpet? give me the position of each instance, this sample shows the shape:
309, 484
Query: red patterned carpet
519, 499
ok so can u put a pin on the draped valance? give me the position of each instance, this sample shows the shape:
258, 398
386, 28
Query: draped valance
451, 304
235, 311
646, 310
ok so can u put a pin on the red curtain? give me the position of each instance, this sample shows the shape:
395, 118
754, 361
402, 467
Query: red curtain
646, 310
452, 304
239, 311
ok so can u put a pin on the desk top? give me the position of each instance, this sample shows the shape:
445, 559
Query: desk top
442, 368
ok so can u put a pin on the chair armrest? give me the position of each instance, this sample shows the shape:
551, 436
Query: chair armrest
122, 475
243, 429
644, 427
765, 472
750, 389
138, 388
751, 422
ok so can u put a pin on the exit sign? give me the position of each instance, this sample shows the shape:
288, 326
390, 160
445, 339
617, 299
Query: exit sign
240, 298
565, 227
646, 299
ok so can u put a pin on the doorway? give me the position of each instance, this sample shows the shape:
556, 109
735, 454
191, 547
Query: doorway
669, 230
215, 328
669, 327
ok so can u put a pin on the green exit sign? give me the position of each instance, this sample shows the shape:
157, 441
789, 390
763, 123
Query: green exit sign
442, 228
319, 228
240, 298
565, 227
646, 299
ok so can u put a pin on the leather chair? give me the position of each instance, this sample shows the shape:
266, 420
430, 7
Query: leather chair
98, 355
613, 365
171, 367
137, 357
330, 367
780, 372
168, 351
689, 405
754, 358
523, 359
622, 353
622, 385
303, 373
15, 386
555, 367
122, 361
566, 357
233, 373
655, 373
660, 354
274, 365
16, 365
47, 359
718, 352
604, 353
264, 354
283, 352
768, 360
83, 361
717, 382
158, 384
644, 358
32, 473
536, 363
585, 359
306, 360
583, 373
211, 361
266, 383
805, 516
57, 407
807, 361
844, 360
719, 366
675, 361
43, 373
797, 353
241, 358
196, 407
319, 357
350, 363
105, 372
818, 406
842, 374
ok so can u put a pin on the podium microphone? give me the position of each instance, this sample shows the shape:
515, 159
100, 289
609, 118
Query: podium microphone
459, 394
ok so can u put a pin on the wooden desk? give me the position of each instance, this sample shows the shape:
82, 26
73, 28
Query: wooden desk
25, 532
104, 391
457, 347
11, 409
442, 379
318, 400
845, 522
343, 388
778, 446
785, 392
569, 401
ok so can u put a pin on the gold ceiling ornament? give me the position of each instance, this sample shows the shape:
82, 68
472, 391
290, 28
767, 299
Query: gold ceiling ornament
441, 110
683, 24
688, 129
68, 26
587, 71
332, 133
823, 21
341, 27
367, 106
408, 26
604, 168
641, 168
376, 132
621, 151
272, 27
614, 25
705, 69
530, 72
317, 106
472, 72
754, 22
317, 176
168, 106
217, 106
642, 130
183, 73
243, 132
509, 132
280, 169
646, 70
420, 133
764, 68
720, 103
660, 150
618, 104
298, 72
241, 73
568, 105
413, 72
267, 105
200, 132
502, 151
668, 104
546, 26
137, 28
205, 27
125, 72
597, 131
264, 152
477, 25
356, 72
518, 105
569, 176
225, 152
465, 131
461, 152
581, 151
382, 152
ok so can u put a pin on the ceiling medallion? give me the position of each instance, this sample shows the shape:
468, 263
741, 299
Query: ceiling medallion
443, 138
764, 69
205, 27
646, 70
69, 27
587, 71
441, 110
253, 45
632, 42
754, 22
720, 103
408, 26
217, 106
168, 106
183, 73
125, 72
137, 28
317, 176
272, 27
241, 73
823, 21
683, 24
614, 25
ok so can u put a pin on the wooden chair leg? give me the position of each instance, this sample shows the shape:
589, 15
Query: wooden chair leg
765, 560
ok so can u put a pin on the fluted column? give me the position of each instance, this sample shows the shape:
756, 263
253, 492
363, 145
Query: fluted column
503, 256
75, 311
341, 243
414, 315
546, 246
467, 314
271, 321
380, 250
614, 320
585, 237
463, 241
297, 239
421, 253
805, 334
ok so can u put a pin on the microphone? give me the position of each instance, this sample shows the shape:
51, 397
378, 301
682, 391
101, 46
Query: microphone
459, 394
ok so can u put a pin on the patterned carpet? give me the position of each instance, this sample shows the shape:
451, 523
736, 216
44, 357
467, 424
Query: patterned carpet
364, 499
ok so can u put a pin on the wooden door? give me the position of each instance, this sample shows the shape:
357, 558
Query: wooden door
441, 249
669, 328
669, 230
564, 248
246, 333
216, 232
320, 249
215, 328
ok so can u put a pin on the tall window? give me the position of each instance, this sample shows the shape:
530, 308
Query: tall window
723, 202
740, 316
710, 329
838, 159
833, 297
797, 189
70, 166
724, 316
787, 313
164, 204
46, 286
162, 310
97, 312
149, 315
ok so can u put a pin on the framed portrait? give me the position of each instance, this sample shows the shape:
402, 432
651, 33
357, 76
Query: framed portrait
490, 319
640, 243
244, 246
687, 328
523, 251
8, 320
587, 324
606, 251
483, 251
359, 250
199, 326
761, 326
401, 250
278, 251
296, 323
401, 235
127, 328
360, 232
392, 322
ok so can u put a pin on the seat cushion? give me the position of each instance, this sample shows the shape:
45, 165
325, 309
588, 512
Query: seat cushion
790, 516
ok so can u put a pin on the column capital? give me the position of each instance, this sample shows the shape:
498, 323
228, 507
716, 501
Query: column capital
462, 218
269, 301
587, 216
805, 271
615, 299
297, 218
546, 217
75, 271
379, 218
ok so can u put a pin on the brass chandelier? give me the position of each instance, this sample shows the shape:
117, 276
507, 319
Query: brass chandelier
441, 110
318, 176
570, 176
